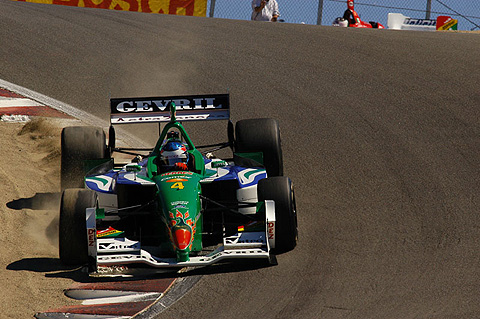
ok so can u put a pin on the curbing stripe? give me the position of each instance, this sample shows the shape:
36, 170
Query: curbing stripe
112, 310
135, 297
146, 285
7, 93
40, 110
85, 117
59, 106
180, 289
17, 102
60, 315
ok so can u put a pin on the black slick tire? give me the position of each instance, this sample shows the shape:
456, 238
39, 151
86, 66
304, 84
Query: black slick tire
73, 241
261, 135
280, 190
80, 143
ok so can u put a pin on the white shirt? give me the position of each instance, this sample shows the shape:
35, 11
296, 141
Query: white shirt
270, 9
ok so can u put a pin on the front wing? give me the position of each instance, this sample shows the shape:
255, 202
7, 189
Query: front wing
122, 251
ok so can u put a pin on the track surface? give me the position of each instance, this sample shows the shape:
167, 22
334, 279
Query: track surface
380, 134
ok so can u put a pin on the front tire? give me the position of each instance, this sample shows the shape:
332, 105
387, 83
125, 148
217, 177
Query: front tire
73, 240
280, 190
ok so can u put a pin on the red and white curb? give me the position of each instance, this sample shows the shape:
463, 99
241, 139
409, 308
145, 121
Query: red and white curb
110, 300
22, 92
14, 91
16, 107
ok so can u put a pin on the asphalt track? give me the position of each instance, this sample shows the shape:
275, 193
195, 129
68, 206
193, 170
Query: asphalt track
380, 133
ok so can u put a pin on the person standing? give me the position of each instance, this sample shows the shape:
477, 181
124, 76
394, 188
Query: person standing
265, 10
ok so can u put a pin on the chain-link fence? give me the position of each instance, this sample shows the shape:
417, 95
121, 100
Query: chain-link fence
325, 11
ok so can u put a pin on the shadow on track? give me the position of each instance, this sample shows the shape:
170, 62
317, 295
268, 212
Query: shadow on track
40, 201
53, 268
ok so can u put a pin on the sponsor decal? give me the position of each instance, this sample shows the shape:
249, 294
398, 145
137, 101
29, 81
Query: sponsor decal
133, 168
183, 237
182, 229
156, 109
175, 180
179, 202
232, 252
149, 119
400, 22
176, 173
159, 104
170, 179
146, 257
421, 22
445, 23
109, 232
106, 245
253, 226
271, 230
243, 238
91, 234
176, 7
217, 164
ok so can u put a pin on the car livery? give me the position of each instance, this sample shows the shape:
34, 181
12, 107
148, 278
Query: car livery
137, 213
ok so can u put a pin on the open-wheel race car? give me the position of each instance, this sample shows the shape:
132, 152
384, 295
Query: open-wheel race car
174, 205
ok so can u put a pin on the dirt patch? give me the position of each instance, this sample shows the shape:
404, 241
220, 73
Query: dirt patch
45, 137
31, 277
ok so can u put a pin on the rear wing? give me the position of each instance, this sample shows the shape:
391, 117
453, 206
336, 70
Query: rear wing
156, 109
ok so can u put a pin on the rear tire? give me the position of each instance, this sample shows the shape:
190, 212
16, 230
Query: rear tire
73, 240
80, 143
280, 189
261, 135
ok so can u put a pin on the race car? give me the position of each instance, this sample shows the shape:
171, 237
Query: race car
176, 204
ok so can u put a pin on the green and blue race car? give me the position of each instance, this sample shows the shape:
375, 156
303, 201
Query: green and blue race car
177, 204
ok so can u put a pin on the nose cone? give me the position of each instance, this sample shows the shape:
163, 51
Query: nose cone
182, 237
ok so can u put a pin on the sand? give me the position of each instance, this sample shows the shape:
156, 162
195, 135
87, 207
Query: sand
31, 277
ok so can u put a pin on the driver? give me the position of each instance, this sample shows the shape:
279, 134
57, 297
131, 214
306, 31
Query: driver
350, 14
173, 156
